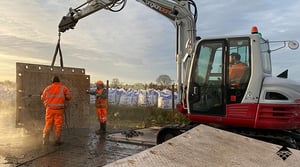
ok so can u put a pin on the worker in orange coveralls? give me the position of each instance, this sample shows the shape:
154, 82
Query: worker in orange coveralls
237, 68
101, 105
54, 97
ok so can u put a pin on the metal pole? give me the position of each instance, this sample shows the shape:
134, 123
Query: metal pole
173, 100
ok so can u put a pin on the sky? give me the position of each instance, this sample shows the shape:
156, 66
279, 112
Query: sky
137, 44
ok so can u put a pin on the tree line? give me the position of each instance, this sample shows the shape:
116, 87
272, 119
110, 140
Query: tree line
162, 82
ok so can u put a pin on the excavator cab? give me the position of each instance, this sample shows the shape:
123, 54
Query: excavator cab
210, 85
255, 99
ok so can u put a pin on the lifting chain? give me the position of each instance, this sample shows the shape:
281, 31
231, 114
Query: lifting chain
57, 49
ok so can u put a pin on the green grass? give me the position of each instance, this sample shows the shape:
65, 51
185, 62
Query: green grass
142, 117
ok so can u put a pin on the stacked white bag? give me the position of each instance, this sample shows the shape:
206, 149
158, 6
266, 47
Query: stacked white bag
143, 98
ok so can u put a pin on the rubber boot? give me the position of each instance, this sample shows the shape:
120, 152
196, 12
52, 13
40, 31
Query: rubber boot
58, 141
103, 127
45, 139
98, 132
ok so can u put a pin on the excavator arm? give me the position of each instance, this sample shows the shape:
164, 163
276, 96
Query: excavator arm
179, 12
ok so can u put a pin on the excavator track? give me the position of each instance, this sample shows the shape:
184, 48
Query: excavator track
171, 131
288, 138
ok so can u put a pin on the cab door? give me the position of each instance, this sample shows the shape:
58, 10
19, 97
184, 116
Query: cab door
207, 79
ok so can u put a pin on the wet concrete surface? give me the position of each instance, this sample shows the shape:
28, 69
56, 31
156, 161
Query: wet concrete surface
82, 147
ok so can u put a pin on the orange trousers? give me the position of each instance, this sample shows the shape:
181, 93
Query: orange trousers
55, 117
102, 114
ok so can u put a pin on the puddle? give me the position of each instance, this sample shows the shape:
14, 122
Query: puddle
82, 147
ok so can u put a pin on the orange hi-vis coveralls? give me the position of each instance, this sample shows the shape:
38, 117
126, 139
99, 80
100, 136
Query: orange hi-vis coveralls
236, 71
54, 97
101, 105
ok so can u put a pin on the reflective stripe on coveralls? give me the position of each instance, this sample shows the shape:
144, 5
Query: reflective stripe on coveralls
54, 100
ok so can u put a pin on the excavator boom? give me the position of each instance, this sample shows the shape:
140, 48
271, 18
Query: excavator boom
177, 11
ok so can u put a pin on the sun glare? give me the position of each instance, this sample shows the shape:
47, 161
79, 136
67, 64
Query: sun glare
8, 65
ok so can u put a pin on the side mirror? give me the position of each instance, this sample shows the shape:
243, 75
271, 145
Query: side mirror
293, 45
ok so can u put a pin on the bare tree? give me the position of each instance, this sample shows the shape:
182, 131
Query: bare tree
115, 83
164, 80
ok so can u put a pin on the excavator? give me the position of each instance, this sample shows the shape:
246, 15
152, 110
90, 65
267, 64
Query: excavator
257, 104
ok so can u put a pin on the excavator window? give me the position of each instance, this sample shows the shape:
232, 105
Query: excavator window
265, 56
275, 96
238, 69
207, 79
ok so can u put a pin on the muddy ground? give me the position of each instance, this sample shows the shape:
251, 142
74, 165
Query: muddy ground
82, 147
